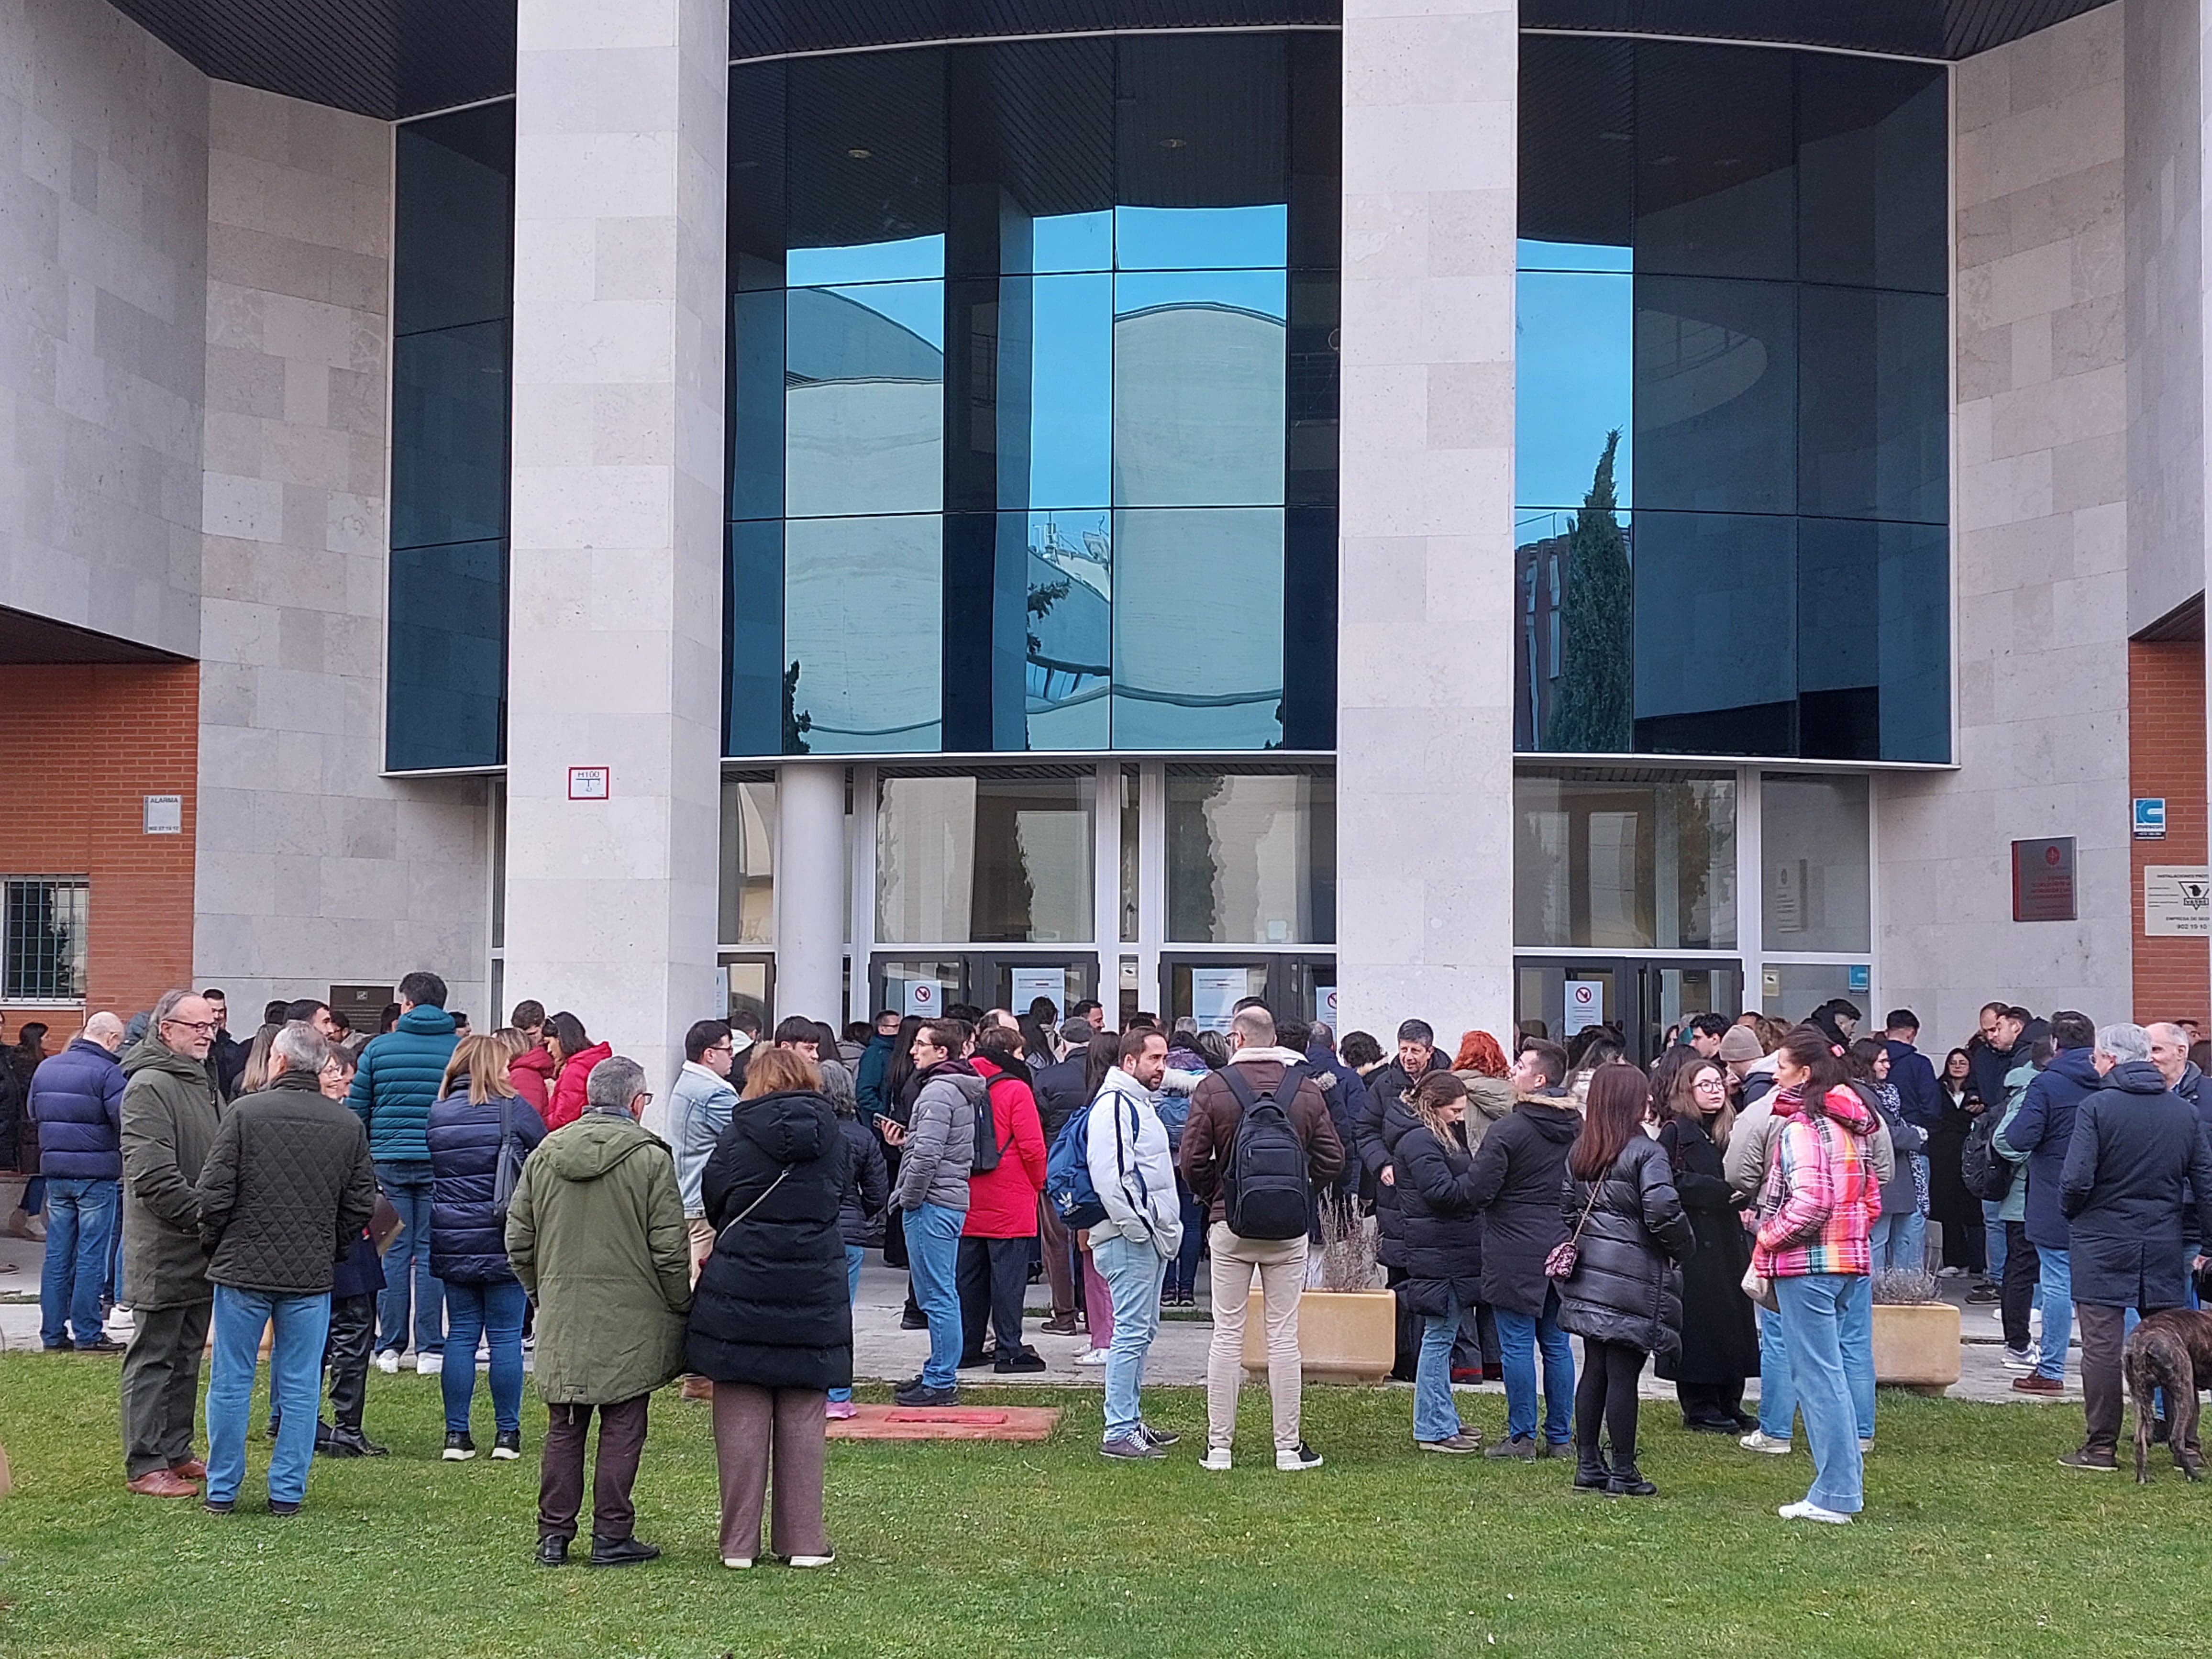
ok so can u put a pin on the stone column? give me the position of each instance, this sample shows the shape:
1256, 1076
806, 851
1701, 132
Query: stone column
1424, 717
615, 614
810, 891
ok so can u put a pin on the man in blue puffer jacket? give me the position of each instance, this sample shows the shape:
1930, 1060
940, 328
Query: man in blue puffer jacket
393, 1092
77, 1100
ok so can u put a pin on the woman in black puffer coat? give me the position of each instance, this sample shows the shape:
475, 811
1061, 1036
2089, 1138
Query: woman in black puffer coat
771, 1324
1624, 1298
1440, 1237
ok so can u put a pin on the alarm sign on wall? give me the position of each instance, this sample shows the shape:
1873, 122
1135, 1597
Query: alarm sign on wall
590, 782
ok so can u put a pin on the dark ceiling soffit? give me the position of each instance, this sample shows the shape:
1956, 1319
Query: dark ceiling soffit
394, 58
25, 638
2184, 622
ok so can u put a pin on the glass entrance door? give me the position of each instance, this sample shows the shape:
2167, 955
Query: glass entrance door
929, 982
1206, 988
1559, 997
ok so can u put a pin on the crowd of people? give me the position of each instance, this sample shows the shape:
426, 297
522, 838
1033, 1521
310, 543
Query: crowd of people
420, 1195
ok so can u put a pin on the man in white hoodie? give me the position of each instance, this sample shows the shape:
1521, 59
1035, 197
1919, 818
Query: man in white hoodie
1127, 1152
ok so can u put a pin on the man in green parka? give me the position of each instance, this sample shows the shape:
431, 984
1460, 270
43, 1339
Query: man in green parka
595, 1232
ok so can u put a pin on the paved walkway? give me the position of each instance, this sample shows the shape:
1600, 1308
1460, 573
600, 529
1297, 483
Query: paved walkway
883, 1352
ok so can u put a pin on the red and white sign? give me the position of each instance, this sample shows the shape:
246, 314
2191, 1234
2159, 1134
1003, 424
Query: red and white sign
1585, 1005
921, 997
590, 782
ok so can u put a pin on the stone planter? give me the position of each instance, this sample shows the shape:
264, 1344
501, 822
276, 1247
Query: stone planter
1343, 1336
1916, 1346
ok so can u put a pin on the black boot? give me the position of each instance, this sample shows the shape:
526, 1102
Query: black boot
1591, 1472
1628, 1483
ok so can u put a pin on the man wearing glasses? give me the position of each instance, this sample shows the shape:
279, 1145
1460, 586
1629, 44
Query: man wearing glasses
699, 1110
170, 1115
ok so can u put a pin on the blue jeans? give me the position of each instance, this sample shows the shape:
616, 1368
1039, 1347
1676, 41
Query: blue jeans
1182, 1270
295, 1387
1132, 1273
81, 1218
1993, 1225
1777, 1388
1900, 1240
1815, 1309
1519, 1339
1435, 1416
2055, 1297
932, 1254
408, 1187
492, 1311
854, 1256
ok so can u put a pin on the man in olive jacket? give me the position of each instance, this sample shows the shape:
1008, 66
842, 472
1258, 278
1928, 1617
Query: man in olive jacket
170, 1115
595, 1232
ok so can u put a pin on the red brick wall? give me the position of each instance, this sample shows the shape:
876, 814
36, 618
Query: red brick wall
2166, 757
80, 745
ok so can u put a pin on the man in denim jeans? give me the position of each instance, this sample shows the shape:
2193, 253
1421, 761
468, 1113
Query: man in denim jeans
939, 1145
399, 1078
77, 1100
1135, 1176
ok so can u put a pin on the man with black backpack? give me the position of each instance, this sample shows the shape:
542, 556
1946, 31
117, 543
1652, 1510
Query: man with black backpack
1257, 1143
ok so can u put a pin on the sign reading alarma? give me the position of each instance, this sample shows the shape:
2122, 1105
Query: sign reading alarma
590, 782
2177, 901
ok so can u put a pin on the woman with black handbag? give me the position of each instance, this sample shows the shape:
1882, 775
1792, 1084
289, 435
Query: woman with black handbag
1619, 1291
771, 1323
479, 1134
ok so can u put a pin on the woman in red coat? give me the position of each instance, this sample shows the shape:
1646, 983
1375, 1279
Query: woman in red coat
575, 1053
1002, 1211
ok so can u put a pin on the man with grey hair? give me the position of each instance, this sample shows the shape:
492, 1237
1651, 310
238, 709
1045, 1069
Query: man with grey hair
170, 1115
2137, 1156
288, 1187
2170, 1041
596, 1234
77, 1103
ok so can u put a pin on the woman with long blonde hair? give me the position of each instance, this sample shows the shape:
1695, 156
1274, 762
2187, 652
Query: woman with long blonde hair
1720, 1341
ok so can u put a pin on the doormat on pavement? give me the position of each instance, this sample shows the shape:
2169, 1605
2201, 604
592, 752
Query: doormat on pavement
947, 1423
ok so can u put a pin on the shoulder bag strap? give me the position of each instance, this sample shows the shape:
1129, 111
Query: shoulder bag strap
1596, 1187
735, 1219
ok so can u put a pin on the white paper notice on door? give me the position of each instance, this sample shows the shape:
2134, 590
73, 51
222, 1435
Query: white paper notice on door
1214, 994
1030, 983
924, 997
1585, 1005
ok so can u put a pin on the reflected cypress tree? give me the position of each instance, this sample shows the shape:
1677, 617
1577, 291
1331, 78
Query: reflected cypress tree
1594, 712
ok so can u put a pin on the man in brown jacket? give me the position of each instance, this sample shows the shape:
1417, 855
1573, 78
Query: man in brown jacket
1208, 1139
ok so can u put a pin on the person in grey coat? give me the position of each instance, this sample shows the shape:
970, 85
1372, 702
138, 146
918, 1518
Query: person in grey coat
2137, 1156
938, 1148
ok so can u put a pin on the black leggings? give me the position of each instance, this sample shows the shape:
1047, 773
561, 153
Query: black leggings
1606, 1395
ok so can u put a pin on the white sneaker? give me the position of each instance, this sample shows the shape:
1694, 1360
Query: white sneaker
388, 1362
1092, 1357
1759, 1441
1217, 1459
1804, 1509
806, 1561
736, 1562
429, 1364
1949, 1273
1866, 1445
2018, 1360
1297, 1458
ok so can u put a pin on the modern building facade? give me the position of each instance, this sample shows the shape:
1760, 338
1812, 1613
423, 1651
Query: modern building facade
1492, 513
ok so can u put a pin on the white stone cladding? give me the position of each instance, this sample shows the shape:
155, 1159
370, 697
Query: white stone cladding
312, 870
1424, 717
615, 613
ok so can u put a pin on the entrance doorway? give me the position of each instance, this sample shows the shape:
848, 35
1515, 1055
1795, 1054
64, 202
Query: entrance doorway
1559, 996
989, 979
1206, 987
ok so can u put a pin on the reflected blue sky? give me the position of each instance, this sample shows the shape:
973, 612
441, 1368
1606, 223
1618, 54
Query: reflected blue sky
904, 260
1071, 393
1266, 292
1073, 241
1575, 339
1532, 255
918, 307
1197, 239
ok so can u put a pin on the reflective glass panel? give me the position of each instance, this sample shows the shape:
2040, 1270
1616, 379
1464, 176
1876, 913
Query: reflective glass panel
453, 207
1814, 852
747, 883
1874, 441
1577, 151
984, 860
756, 715
1604, 861
1716, 395
1190, 676
756, 404
1792, 990
449, 468
445, 674
863, 615
864, 399
1715, 633
1202, 123
1251, 858
1871, 174
1716, 160
1872, 640
1199, 388
1576, 344
866, 167
1068, 583
1066, 370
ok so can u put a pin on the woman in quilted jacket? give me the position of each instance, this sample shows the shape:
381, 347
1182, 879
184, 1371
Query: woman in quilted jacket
1624, 1298
1819, 1204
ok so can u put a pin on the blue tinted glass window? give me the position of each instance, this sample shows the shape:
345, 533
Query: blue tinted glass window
1068, 601
864, 399
1073, 241
863, 604
1199, 388
1200, 238
1715, 160
864, 167
445, 688
452, 205
1872, 640
1198, 676
1716, 395
754, 711
1716, 660
866, 262
1575, 340
756, 404
1874, 395
1070, 368
449, 471
1872, 173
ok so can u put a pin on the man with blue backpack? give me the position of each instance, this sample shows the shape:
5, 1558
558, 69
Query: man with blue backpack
1258, 1144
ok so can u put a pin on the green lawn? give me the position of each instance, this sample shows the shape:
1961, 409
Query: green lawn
1974, 1543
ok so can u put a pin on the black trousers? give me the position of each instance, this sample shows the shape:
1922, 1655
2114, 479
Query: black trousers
1710, 1402
1605, 1397
1966, 1245
560, 1474
345, 1356
990, 1275
2022, 1268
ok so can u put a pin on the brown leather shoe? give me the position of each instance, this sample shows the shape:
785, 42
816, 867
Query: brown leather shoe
2036, 1383
190, 1469
163, 1483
